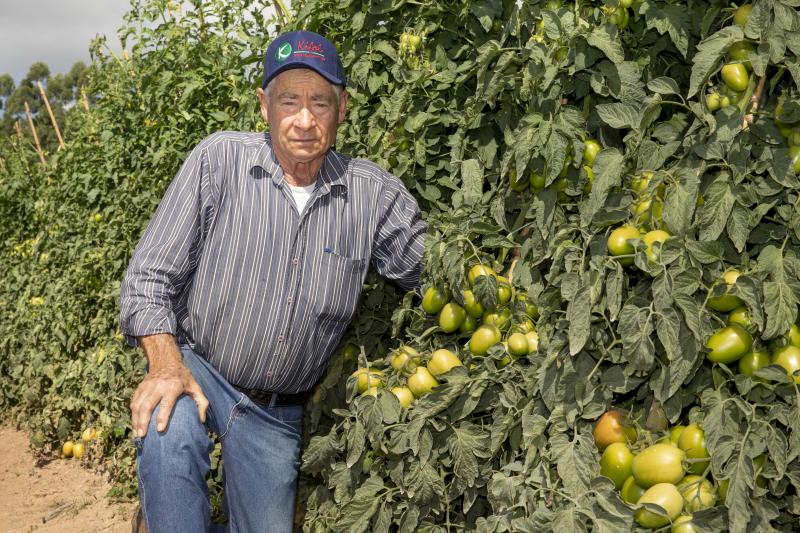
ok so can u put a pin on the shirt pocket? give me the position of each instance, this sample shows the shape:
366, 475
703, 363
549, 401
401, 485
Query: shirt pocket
340, 286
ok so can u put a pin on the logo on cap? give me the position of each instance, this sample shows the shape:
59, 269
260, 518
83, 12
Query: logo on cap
283, 52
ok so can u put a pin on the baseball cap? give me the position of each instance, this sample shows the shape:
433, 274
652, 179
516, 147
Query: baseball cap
303, 49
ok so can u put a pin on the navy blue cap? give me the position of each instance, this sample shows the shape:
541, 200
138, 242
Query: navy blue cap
303, 49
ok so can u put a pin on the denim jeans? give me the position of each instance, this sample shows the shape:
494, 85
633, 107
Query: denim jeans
260, 454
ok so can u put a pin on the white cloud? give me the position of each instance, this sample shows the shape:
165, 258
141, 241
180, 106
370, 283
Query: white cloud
57, 32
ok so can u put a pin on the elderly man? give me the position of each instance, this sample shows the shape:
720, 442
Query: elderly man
241, 287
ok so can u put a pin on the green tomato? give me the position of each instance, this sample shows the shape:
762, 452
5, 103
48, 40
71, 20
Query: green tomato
741, 316
479, 270
713, 101
518, 345
515, 183
615, 463
619, 17
659, 463
405, 359
794, 155
729, 344
741, 52
590, 151
501, 319
618, 244
434, 300
683, 524
421, 382
652, 237
469, 324
666, 496
404, 395
788, 357
630, 491
698, 493
693, 442
726, 302
742, 14
442, 361
504, 292
537, 180
675, 434
735, 76
451, 317
486, 336
471, 304
752, 361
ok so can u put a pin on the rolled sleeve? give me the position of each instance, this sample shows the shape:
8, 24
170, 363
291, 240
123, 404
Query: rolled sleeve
399, 241
168, 251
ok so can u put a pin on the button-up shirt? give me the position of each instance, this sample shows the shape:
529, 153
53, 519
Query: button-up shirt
228, 265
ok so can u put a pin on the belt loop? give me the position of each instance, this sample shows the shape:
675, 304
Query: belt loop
273, 398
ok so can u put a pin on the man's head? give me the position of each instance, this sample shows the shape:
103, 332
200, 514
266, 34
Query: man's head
302, 96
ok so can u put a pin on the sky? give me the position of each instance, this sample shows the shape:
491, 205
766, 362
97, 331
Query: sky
54, 31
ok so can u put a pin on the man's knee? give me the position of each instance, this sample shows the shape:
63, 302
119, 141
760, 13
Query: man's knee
184, 430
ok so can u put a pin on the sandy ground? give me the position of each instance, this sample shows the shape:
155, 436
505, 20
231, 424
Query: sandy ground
61, 496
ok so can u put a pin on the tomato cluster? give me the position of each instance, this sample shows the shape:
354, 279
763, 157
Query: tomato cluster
670, 473
506, 322
77, 448
734, 74
735, 343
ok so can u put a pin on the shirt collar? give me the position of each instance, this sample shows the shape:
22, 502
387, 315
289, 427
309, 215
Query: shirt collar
333, 172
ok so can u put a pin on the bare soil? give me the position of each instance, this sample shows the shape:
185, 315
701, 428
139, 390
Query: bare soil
60, 496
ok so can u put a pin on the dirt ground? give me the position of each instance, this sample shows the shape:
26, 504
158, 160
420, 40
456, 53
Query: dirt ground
61, 496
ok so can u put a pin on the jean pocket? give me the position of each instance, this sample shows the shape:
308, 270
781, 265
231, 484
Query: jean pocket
291, 414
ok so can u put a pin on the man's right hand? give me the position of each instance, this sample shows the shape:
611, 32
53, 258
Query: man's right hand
166, 380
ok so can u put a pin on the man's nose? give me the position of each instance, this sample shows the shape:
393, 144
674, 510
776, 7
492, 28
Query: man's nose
304, 119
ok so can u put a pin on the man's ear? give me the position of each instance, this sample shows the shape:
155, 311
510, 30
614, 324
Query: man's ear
262, 100
343, 105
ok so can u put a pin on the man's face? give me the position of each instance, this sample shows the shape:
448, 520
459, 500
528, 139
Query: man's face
303, 113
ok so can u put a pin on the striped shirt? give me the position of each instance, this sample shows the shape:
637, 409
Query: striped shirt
229, 266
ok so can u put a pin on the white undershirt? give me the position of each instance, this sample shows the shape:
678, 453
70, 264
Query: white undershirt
301, 195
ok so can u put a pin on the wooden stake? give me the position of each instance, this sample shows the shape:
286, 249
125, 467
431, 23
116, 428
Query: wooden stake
84, 99
61, 144
19, 129
35, 136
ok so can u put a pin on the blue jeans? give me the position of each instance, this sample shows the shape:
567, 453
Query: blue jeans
260, 454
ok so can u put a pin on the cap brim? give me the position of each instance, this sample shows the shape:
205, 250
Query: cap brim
328, 76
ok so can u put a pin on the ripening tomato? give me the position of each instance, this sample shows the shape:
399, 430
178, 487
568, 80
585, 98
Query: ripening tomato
501, 319
442, 361
640, 183
451, 317
404, 395
615, 463
752, 361
518, 345
421, 382
66, 449
666, 496
649, 211
618, 244
523, 327
789, 358
471, 304
434, 300
729, 344
530, 308
590, 150
77, 450
742, 14
652, 237
372, 391
630, 491
479, 270
698, 493
659, 463
693, 442
735, 76
405, 359
486, 336
613, 427
741, 316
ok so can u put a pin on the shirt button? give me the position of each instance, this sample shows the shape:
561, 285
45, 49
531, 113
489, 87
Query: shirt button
280, 338
289, 299
295, 261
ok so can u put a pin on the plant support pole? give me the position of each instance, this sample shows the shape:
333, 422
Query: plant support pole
61, 144
35, 136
